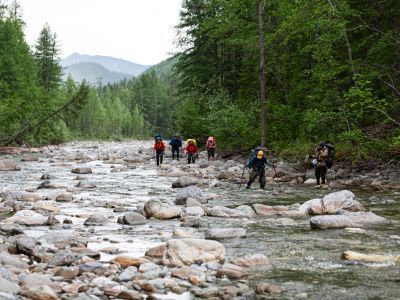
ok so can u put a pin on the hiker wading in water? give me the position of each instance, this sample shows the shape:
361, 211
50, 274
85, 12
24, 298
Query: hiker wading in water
176, 144
320, 156
191, 151
159, 148
257, 164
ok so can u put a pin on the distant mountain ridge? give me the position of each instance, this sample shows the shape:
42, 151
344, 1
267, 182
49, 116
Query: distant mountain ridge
96, 68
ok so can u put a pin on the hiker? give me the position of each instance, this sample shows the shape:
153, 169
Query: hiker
176, 144
319, 161
257, 164
191, 150
210, 147
159, 148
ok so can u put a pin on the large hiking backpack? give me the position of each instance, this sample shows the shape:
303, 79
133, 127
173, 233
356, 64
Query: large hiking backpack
331, 155
254, 152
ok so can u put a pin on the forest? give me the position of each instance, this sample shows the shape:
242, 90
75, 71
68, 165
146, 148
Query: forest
332, 72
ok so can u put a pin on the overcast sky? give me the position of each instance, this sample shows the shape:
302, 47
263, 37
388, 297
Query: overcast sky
141, 31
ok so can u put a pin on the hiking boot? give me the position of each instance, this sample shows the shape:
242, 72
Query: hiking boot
262, 187
247, 186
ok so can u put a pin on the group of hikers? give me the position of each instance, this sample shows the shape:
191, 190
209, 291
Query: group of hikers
321, 159
191, 149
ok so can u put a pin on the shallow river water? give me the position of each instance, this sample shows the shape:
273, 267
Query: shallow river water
306, 262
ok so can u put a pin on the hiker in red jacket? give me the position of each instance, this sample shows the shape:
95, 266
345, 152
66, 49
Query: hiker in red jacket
210, 147
159, 148
191, 151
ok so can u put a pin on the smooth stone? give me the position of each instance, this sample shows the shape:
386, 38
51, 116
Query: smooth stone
371, 258
125, 261
181, 252
265, 288
355, 230
179, 233
64, 198
156, 252
94, 220
195, 211
225, 212
82, 170
225, 233
162, 211
7, 286
231, 271
68, 273
190, 192
41, 292
132, 218
355, 219
9, 165
28, 218
11, 229
252, 260
183, 182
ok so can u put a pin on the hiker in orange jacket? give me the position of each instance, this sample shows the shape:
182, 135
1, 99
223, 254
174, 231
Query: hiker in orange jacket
191, 151
159, 148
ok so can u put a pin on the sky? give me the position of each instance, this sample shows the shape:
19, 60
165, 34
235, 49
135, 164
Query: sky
141, 31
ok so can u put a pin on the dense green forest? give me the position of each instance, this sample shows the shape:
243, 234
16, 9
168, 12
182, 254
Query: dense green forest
332, 71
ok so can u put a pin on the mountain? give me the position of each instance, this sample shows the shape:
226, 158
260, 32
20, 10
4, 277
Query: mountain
110, 63
164, 68
94, 73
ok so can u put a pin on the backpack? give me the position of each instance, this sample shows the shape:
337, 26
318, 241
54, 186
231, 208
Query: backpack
253, 152
331, 155
211, 143
158, 137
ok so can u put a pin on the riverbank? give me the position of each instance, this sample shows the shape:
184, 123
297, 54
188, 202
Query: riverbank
98, 220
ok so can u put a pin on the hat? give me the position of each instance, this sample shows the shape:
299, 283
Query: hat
260, 154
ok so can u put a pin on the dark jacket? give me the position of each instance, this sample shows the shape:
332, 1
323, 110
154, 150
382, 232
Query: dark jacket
176, 143
257, 162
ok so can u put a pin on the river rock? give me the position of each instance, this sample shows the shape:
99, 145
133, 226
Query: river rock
181, 252
267, 210
10, 229
266, 288
26, 245
28, 218
183, 182
162, 211
48, 185
371, 258
41, 292
231, 271
225, 233
95, 220
131, 295
9, 287
31, 197
82, 170
68, 273
64, 198
9, 165
179, 233
9, 260
156, 252
252, 260
248, 210
64, 258
190, 221
332, 203
281, 222
225, 212
59, 236
125, 261
128, 274
356, 219
195, 211
355, 230
132, 218
192, 192
191, 202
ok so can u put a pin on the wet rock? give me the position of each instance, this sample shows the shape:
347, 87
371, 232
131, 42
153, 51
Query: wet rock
9, 165
356, 219
190, 221
248, 210
190, 192
64, 198
10, 229
31, 197
92, 267
332, 203
253, 260
355, 230
267, 210
311, 181
281, 222
82, 170
371, 258
195, 211
156, 252
95, 220
41, 292
7, 286
68, 273
183, 182
86, 252
231, 271
59, 236
179, 233
162, 211
225, 212
132, 218
125, 261
265, 288
46, 177
191, 202
48, 185
26, 245
225, 233
34, 279
28, 218
188, 251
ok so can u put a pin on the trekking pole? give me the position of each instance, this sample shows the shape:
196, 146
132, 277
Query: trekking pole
276, 174
241, 178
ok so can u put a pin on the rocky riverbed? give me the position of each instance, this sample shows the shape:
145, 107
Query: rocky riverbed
97, 220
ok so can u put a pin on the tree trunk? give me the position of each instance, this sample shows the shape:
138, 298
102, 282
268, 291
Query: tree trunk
262, 70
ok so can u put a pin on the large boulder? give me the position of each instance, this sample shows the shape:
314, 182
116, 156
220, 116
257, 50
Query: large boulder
94, 220
162, 211
267, 210
9, 165
192, 192
370, 258
181, 252
356, 219
225, 233
132, 218
332, 203
225, 212
28, 218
